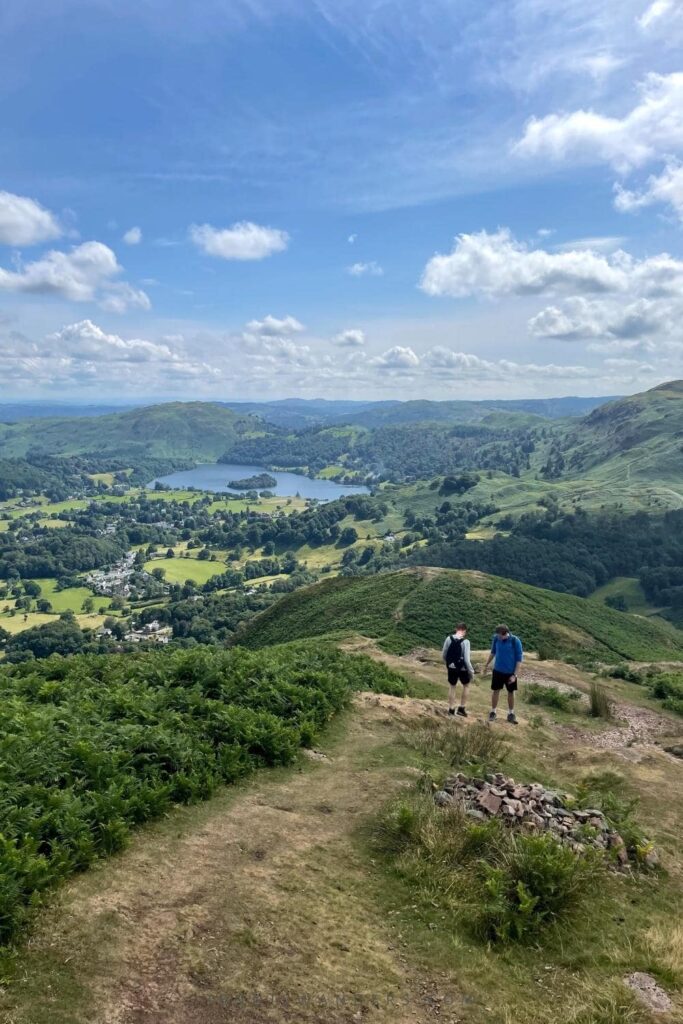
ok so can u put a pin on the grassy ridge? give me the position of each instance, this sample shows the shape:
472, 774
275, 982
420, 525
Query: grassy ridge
92, 746
191, 430
416, 608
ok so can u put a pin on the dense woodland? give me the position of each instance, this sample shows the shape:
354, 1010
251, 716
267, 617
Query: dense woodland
397, 453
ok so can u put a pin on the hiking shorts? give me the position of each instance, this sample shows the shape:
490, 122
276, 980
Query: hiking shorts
458, 675
503, 679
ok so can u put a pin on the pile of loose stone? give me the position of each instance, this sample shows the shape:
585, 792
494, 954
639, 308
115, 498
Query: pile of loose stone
533, 808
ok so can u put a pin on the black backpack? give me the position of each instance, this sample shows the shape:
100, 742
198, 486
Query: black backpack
454, 655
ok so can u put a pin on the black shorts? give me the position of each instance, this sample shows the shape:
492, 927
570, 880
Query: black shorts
503, 679
458, 675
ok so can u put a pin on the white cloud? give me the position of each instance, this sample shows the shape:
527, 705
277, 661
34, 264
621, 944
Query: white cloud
579, 318
353, 338
656, 13
448, 361
666, 187
654, 127
85, 340
272, 327
352, 239
133, 236
84, 356
242, 241
24, 221
270, 342
371, 269
84, 274
397, 358
497, 264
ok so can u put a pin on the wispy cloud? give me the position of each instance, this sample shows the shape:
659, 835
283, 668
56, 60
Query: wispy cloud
371, 269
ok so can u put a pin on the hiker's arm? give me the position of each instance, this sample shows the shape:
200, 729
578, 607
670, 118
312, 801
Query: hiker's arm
444, 649
520, 658
490, 657
467, 654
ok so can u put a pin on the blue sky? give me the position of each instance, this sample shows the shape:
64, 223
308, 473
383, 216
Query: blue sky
340, 198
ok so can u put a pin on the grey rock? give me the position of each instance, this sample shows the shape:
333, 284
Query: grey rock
646, 989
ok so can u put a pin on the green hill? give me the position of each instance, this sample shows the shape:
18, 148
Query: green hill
180, 430
637, 439
417, 607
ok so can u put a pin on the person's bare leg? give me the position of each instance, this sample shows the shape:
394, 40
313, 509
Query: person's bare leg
463, 699
511, 700
451, 698
495, 694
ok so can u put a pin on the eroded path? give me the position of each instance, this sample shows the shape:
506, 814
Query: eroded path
256, 906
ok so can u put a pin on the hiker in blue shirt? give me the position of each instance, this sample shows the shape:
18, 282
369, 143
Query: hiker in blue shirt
507, 656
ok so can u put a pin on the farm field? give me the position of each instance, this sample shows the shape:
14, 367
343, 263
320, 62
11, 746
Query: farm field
177, 570
631, 591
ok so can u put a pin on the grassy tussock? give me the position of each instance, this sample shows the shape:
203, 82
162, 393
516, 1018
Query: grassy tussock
475, 747
600, 706
664, 948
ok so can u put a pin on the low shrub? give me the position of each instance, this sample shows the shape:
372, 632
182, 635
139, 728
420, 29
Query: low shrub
551, 697
535, 881
91, 746
608, 792
664, 686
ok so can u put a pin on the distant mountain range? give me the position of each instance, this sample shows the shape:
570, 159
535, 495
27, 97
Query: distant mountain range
300, 412
13, 412
297, 413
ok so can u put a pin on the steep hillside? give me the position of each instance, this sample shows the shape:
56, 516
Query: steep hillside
189, 430
416, 607
640, 437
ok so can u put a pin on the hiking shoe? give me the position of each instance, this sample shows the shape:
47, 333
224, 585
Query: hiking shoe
512, 718
462, 712
451, 711
492, 716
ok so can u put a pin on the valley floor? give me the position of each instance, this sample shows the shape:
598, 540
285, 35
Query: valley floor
265, 905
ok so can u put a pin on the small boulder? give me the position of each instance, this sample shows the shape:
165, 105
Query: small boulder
646, 989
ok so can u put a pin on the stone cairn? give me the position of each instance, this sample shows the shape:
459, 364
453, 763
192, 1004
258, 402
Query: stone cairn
533, 808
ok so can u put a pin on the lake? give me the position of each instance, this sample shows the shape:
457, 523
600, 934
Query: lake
214, 477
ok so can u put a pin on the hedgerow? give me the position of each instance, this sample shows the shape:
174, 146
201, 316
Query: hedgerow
91, 746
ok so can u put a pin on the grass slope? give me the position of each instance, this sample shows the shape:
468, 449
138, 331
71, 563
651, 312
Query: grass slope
192, 430
415, 608
635, 439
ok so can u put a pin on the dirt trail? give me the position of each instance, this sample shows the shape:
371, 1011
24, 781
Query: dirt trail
259, 909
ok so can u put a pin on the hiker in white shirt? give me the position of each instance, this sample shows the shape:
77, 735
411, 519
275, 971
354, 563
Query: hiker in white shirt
456, 655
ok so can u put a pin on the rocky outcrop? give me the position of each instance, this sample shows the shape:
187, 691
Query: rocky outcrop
534, 808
